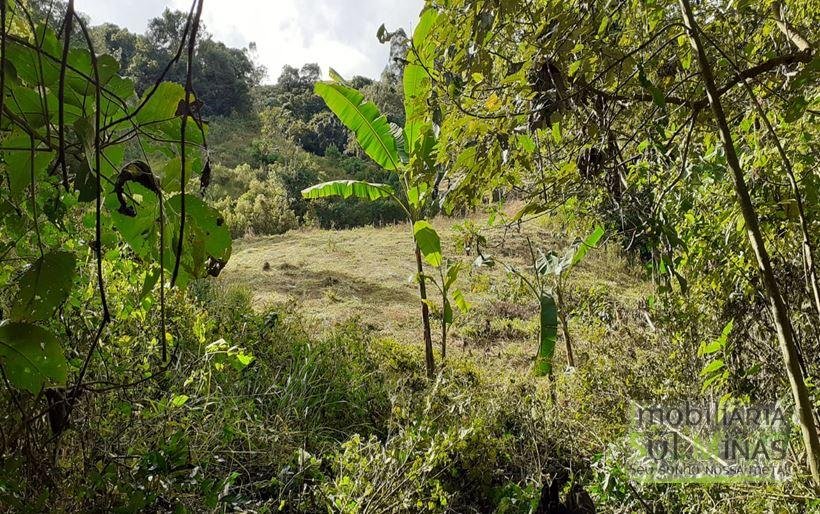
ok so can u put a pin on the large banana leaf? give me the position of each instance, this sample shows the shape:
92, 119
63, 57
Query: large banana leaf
348, 188
371, 128
423, 44
590, 242
549, 335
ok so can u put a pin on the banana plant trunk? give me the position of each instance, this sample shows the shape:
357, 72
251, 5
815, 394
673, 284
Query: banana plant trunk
559, 300
785, 333
425, 317
443, 340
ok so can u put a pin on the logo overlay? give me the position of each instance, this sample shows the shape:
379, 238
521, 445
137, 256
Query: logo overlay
703, 443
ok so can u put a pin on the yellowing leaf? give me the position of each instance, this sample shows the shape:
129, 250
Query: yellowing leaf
493, 103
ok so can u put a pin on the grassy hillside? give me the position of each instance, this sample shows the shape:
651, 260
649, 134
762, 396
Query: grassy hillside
367, 273
509, 431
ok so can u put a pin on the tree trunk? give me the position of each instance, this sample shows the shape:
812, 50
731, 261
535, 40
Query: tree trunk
808, 249
425, 317
785, 334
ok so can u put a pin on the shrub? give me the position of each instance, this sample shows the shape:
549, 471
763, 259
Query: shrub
264, 209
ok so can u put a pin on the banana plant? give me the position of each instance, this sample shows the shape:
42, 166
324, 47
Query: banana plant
550, 272
447, 276
407, 151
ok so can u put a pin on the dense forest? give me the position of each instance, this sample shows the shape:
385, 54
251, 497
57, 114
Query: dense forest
456, 287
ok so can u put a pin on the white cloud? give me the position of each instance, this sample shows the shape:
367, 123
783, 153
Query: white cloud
337, 33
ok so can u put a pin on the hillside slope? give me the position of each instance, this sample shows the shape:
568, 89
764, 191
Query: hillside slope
367, 273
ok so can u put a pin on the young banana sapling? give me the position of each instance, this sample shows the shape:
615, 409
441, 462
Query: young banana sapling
447, 276
410, 153
547, 280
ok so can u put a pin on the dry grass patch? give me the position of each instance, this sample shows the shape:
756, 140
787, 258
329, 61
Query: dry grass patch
367, 273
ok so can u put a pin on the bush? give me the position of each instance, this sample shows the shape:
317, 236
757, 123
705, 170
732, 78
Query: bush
263, 209
268, 200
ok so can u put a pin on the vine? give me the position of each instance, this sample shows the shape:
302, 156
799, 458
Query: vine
92, 171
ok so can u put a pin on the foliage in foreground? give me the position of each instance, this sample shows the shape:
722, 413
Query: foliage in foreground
267, 417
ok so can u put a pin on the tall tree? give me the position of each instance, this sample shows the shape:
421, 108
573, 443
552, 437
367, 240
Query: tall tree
605, 110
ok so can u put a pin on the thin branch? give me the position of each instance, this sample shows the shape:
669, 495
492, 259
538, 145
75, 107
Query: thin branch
796, 38
68, 28
164, 73
186, 111
98, 214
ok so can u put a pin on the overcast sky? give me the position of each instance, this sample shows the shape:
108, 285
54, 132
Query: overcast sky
337, 33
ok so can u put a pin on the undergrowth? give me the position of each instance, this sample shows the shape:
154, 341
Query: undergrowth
267, 414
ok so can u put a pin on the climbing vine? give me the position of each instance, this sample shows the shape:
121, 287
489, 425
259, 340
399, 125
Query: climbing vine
94, 190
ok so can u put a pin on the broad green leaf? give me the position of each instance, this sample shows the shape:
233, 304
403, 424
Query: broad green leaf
719, 343
117, 91
140, 232
603, 26
417, 195
526, 142
223, 353
493, 103
207, 223
451, 276
556, 133
548, 336
447, 315
590, 242
530, 208
657, 95
27, 103
712, 367
43, 287
428, 241
401, 145
335, 76
180, 400
27, 64
795, 109
151, 278
348, 188
207, 237
424, 46
162, 105
207, 245
711, 348
727, 330
461, 302
422, 30
714, 378
170, 174
31, 356
371, 128
19, 162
